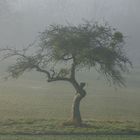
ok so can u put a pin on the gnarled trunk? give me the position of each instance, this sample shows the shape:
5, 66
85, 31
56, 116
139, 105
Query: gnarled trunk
76, 115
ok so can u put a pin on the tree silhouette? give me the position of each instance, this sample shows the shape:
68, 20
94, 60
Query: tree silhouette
88, 45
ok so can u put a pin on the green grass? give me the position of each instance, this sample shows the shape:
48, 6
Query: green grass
55, 127
9, 137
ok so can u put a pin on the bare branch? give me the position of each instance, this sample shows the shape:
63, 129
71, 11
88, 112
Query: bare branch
11, 53
53, 77
73, 67
59, 79
43, 71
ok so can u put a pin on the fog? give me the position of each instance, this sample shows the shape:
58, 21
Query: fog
30, 97
22, 20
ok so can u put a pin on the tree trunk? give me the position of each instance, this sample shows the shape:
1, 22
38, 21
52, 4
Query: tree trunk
76, 115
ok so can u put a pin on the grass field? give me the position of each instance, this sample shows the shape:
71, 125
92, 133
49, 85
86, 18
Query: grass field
69, 137
56, 127
26, 102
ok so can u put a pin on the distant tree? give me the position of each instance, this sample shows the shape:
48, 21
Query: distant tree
64, 50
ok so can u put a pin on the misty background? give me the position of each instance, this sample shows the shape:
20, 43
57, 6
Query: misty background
22, 20
20, 24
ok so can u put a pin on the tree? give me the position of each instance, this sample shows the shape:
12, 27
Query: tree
87, 46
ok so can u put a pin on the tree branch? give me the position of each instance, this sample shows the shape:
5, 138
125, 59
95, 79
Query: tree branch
43, 71
58, 79
11, 52
73, 68
51, 78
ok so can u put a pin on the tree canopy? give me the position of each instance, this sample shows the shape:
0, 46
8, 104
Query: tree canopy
83, 46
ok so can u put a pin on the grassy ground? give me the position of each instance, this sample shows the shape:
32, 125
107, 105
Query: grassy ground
55, 127
9, 137
54, 130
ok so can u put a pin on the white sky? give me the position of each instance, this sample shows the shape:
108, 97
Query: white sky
21, 20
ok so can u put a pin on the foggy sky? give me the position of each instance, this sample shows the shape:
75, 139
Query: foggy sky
21, 20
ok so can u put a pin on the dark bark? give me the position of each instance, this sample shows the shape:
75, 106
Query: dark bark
76, 115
